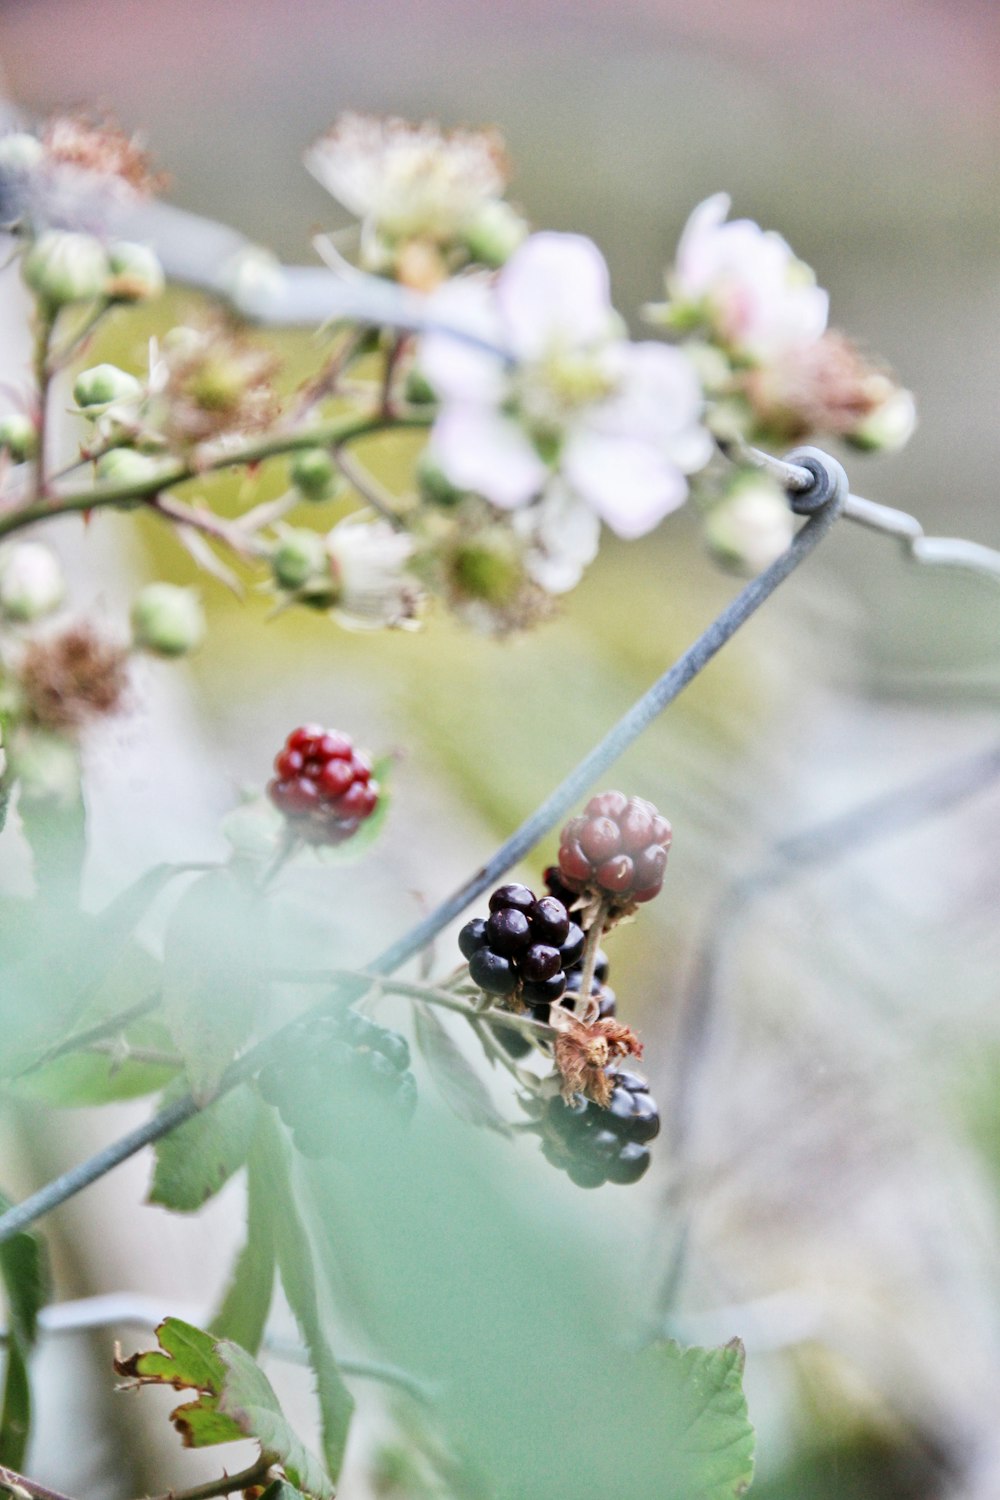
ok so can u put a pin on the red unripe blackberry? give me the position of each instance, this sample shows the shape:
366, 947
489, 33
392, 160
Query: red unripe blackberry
617, 849
323, 786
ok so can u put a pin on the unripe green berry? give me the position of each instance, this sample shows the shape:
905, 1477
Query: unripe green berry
314, 474
103, 384
31, 582
495, 233
126, 466
19, 436
168, 620
418, 389
300, 558
434, 484
62, 267
889, 427
136, 272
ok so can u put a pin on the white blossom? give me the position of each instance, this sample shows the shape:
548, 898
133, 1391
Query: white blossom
746, 283
565, 395
409, 182
368, 563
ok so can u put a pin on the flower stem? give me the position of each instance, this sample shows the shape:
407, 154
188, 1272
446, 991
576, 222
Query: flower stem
594, 934
20, 1485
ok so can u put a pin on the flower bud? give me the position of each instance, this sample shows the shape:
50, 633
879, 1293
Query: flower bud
126, 466
168, 620
435, 486
419, 391
751, 527
20, 152
889, 427
103, 384
47, 767
314, 474
31, 581
136, 273
19, 436
62, 267
254, 281
299, 560
495, 233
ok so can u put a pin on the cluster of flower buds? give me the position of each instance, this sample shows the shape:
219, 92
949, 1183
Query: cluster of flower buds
540, 957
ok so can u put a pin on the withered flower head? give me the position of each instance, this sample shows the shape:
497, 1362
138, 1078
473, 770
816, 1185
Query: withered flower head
827, 386
214, 382
582, 1053
71, 677
100, 147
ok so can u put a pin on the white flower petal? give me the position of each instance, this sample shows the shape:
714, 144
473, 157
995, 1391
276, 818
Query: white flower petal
457, 369
565, 535
554, 290
480, 450
628, 483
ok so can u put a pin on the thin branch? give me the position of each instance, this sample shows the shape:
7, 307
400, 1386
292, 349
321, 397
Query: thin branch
99, 497
380, 499
542, 820
20, 1485
257, 1473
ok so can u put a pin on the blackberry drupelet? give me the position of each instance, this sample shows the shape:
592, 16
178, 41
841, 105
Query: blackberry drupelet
323, 785
339, 1082
617, 850
594, 1145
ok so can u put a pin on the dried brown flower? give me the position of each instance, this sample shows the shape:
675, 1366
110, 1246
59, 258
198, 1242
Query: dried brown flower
213, 381
826, 386
582, 1053
71, 677
101, 147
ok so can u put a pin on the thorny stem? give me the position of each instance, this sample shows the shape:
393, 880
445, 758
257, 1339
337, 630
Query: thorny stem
312, 435
594, 935
43, 335
594, 764
208, 523
20, 1485
257, 1473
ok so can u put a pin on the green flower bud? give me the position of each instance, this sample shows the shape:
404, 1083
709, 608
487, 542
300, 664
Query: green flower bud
135, 271
889, 427
63, 267
300, 559
168, 620
488, 567
19, 435
31, 581
435, 486
103, 384
495, 233
751, 526
314, 474
419, 391
20, 152
254, 280
126, 466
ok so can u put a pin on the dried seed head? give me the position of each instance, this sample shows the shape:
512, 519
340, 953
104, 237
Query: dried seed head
71, 677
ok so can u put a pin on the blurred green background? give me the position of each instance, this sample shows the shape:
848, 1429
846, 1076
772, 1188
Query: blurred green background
847, 1125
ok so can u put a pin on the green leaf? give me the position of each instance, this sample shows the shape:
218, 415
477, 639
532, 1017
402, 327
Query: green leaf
245, 1307
235, 1400
281, 1490
15, 1415
213, 967
270, 1164
459, 1084
248, 1399
194, 1161
712, 1441
25, 1275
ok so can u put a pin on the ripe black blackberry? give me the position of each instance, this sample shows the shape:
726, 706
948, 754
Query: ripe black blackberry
595, 1144
339, 1082
522, 950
